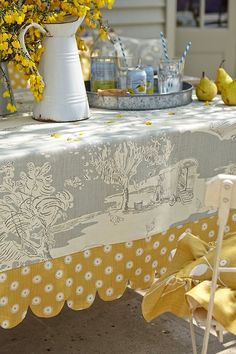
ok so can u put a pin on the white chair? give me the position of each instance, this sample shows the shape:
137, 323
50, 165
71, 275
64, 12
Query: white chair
150, 50
220, 194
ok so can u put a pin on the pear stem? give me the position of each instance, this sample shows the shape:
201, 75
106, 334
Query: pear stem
221, 64
203, 74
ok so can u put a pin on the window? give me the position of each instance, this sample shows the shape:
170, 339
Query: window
202, 13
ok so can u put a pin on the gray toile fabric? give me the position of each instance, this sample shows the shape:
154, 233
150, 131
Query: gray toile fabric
116, 177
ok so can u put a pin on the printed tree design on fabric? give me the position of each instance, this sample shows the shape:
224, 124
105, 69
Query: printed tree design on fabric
120, 167
29, 207
157, 155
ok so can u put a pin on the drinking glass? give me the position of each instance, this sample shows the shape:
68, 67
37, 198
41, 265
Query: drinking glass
103, 73
170, 75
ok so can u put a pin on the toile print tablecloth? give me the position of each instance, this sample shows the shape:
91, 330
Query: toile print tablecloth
117, 177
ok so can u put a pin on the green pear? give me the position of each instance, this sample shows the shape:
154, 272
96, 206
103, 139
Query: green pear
222, 77
228, 93
206, 90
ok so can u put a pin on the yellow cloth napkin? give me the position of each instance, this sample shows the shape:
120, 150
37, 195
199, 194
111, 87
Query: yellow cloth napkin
186, 285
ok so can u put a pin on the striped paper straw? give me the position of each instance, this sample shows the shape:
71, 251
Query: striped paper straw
185, 53
164, 46
122, 50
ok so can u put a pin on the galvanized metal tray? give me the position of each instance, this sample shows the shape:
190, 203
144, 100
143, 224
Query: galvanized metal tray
141, 102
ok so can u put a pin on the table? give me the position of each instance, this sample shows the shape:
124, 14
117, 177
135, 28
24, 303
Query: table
89, 206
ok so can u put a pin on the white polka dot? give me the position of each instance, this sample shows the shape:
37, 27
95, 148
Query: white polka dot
3, 277
36, 300
163, 270
5, 324
148, 239
78, 267
223, 262
119, 278
48, 288
119, 257
138, 271
163, 251
14, 285
211, 233
129, 265
109, 291
25, 270
60, 297
148, 258
204, 226
129, 244
3, 301
47, 310
156, 245
48, 265
87, 253
97, 261
154, 264
69, 282
108, 270
15, 308
59, 274
68, 259
139, 252
171, 238
37, 279
90, 298
227, 228
88, 275
147, 278
70, 303
99, 284
107, 249
25, 292
79, 290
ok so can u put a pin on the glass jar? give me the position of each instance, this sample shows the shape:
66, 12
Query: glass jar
103, 65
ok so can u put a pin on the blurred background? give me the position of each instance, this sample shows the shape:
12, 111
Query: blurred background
209, 24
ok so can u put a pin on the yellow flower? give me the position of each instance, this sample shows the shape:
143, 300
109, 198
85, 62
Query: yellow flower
14, 15
9, 19
16, 44
56, 135
148, 122
6, 94
10, 107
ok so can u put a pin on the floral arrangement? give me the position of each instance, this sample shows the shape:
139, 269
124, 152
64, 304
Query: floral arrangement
15, 14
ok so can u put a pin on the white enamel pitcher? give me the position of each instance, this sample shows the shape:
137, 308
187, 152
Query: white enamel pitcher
64, 97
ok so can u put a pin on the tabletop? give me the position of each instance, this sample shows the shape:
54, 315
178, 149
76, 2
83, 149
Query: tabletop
89, 207
116, 177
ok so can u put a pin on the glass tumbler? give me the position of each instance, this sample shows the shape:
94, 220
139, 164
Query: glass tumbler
103, 73
170, 75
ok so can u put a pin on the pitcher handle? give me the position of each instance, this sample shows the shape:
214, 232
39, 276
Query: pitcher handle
23, 33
